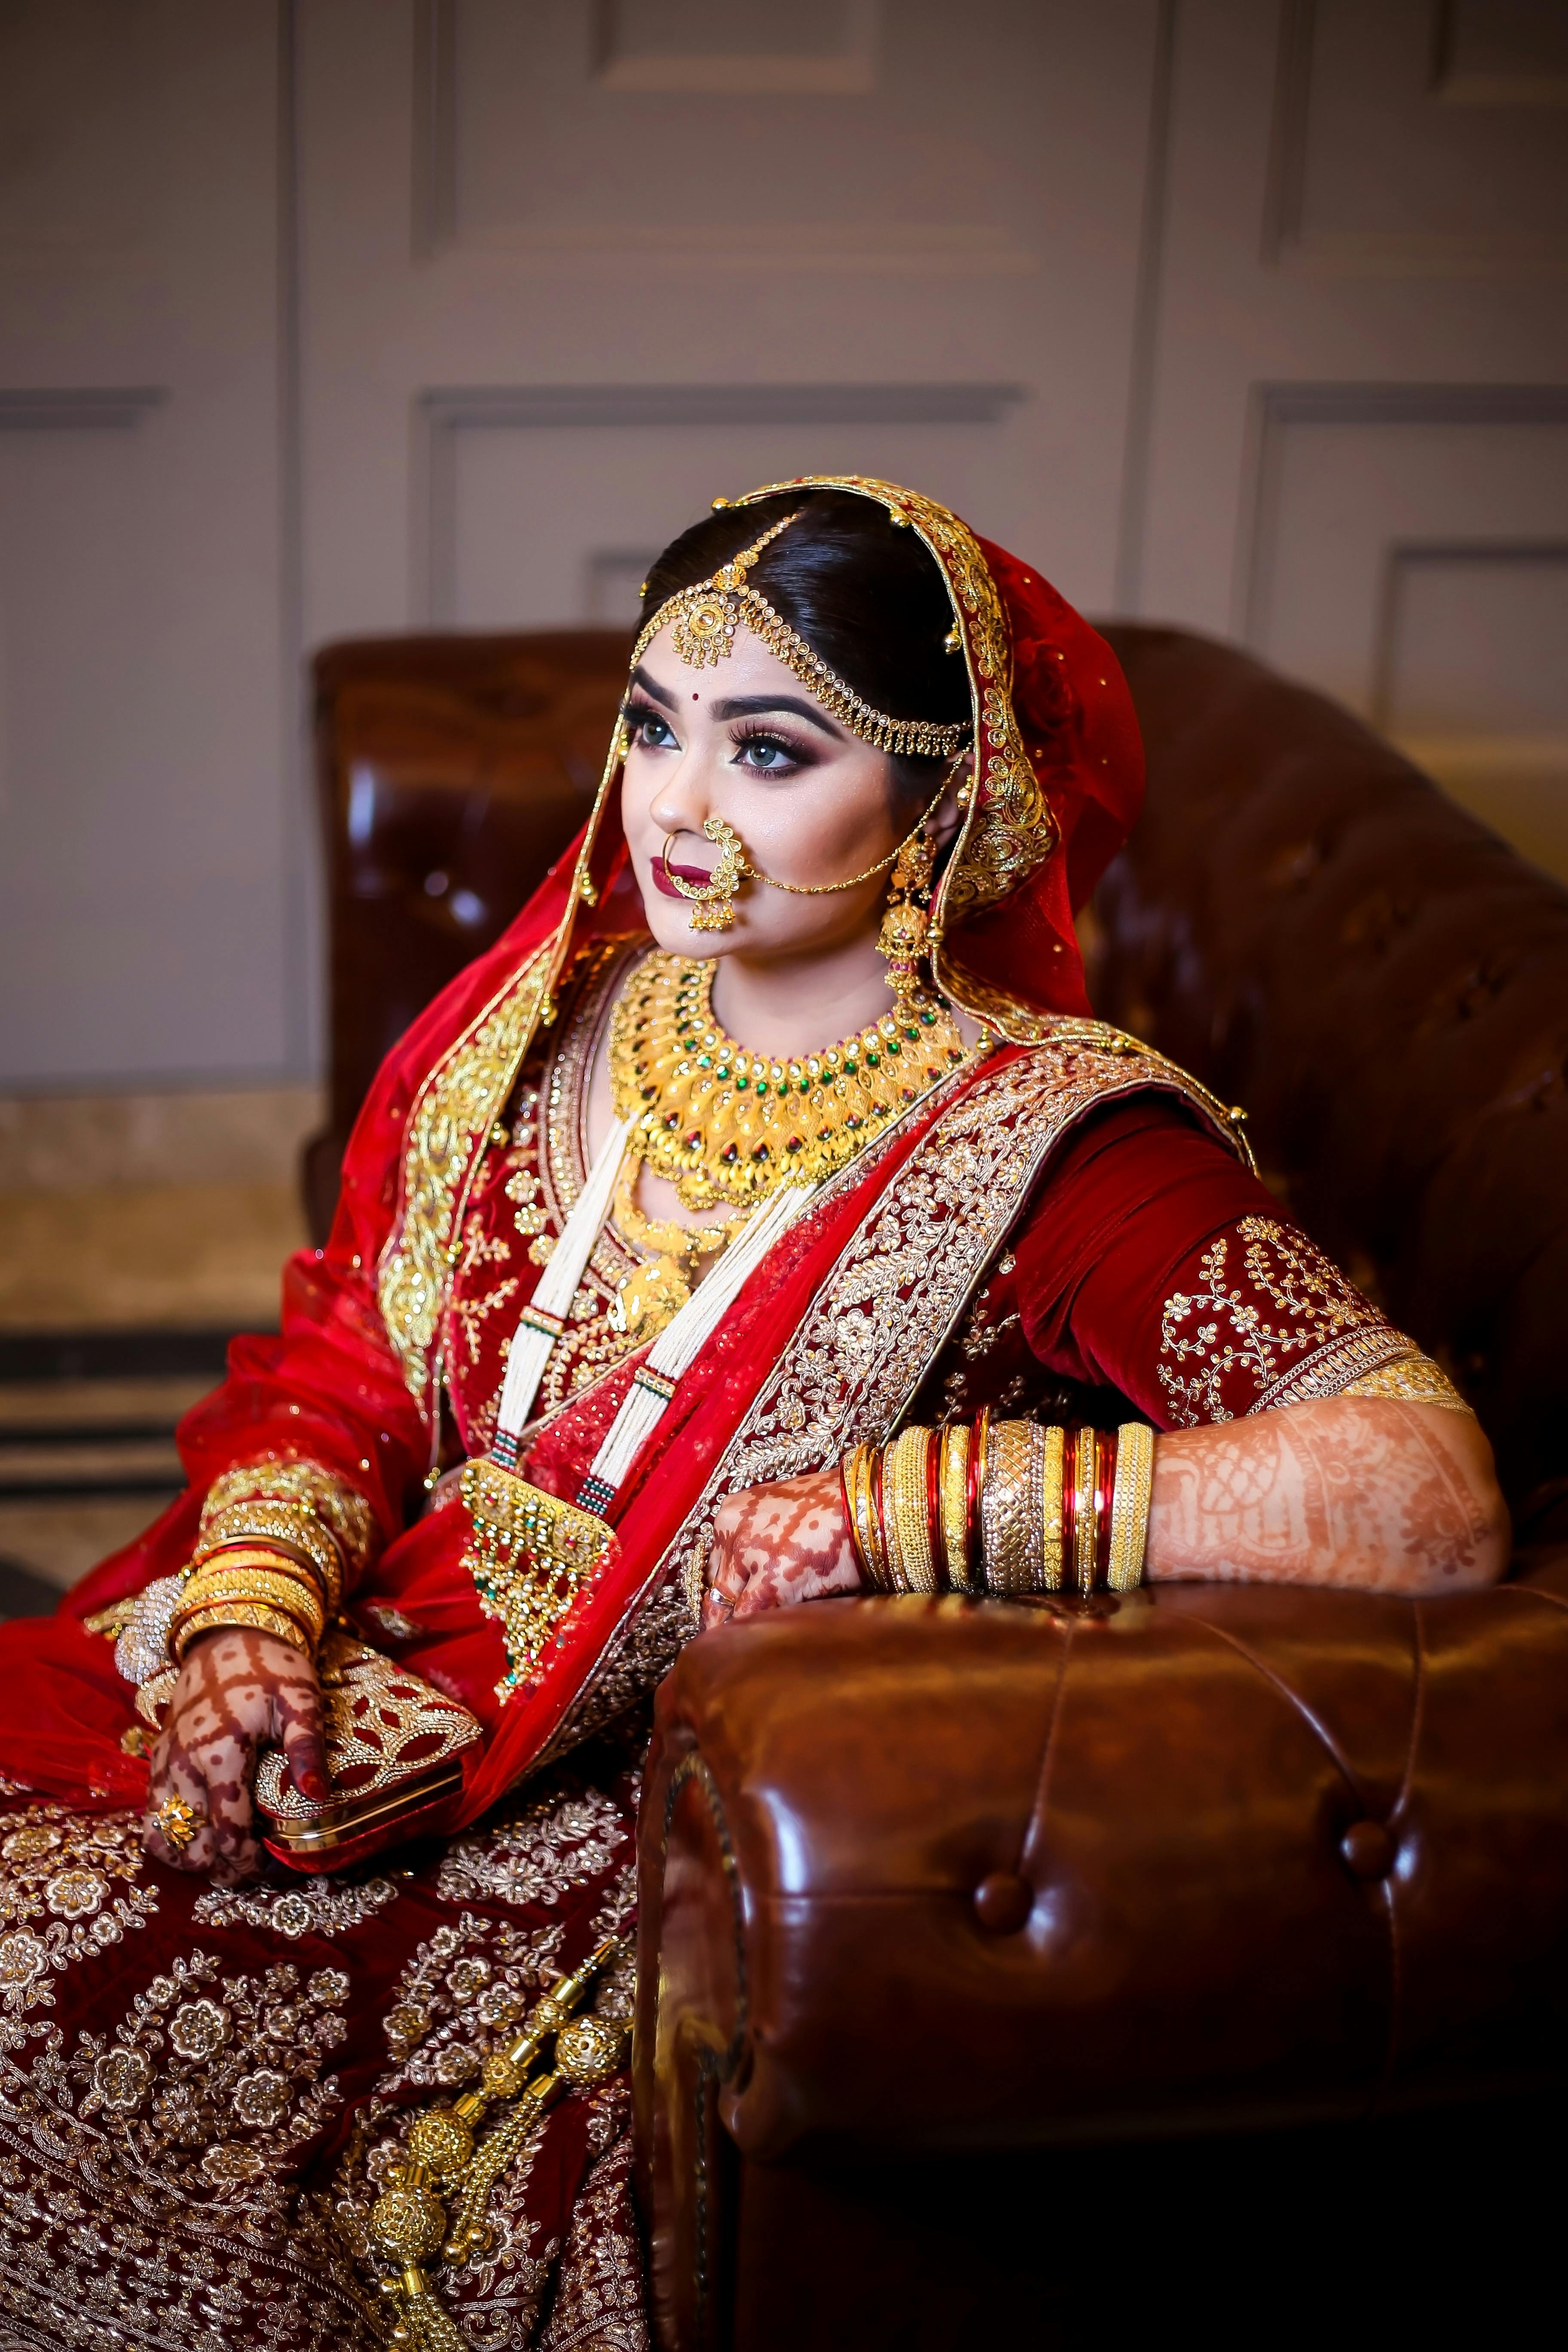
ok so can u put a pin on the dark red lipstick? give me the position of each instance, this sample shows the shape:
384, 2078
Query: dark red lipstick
661, 880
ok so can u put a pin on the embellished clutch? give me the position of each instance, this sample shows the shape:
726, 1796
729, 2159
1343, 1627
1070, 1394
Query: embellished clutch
394, 1757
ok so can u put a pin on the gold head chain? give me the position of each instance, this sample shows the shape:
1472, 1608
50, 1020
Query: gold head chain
704, 618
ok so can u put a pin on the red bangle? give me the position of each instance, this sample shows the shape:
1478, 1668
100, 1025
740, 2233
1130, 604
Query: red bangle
933, 1512
976, 1476
1104, 1495
1070, 1505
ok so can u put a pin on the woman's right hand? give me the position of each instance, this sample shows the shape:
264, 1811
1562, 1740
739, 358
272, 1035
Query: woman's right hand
238, 1690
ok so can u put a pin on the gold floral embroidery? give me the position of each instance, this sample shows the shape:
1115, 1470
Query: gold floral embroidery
1326, 1334
470, 1312
76, 1873
230, 2067
451, 1117
599, 2303
144, 2171
551, 1847
312, 1906
277, 1477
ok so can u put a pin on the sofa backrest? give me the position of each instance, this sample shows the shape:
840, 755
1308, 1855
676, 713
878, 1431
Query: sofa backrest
1309, 925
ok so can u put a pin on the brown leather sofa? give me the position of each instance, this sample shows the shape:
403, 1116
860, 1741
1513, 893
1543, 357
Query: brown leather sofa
1033, 1975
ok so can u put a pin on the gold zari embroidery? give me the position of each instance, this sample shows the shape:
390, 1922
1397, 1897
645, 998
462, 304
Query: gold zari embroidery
1414, 1378
453, 1114
1324, 1335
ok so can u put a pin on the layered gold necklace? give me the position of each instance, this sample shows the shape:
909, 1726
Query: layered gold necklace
727, 1125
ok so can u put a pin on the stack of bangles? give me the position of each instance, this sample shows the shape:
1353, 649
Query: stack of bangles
270, 1565
1006, 1508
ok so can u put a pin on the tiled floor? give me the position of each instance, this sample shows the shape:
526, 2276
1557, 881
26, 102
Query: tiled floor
115, 1307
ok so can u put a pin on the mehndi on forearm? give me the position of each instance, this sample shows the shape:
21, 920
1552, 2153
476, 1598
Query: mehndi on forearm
1364, 1493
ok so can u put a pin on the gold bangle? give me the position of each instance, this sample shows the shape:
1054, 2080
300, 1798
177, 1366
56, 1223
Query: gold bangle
209, 1586
952, 1490
905, 1468
1130, 1506
859, 1469
294, 1524
892, 1533
1086, 1519
852, 1471
1052, 1453
269, 1559
1009, 1507
240, 1614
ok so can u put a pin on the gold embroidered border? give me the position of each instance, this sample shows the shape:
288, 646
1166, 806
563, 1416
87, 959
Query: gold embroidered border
1414, 1378
452, 1114
885, 1312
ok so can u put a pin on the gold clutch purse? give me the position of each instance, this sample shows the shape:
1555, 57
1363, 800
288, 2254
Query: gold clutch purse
394, 1757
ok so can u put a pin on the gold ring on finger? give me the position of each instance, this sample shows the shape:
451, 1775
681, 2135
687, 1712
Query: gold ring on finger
178, 1823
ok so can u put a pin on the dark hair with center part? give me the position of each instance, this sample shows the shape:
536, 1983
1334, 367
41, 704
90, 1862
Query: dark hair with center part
862, 591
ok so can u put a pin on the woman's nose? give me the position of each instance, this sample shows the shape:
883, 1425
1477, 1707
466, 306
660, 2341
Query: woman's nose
681, 801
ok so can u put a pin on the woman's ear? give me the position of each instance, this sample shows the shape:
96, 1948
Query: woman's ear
955, 798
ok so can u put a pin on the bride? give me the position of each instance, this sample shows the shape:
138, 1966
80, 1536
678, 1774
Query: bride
763, 1218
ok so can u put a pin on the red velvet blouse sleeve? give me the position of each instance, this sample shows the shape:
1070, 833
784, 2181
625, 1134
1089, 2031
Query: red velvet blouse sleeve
1153, 1262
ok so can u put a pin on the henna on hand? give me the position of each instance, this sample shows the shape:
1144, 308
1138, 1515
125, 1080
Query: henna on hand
778, 1544
1364, 1493
237, 1689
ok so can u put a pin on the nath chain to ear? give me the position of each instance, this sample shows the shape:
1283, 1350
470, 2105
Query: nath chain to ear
715, 898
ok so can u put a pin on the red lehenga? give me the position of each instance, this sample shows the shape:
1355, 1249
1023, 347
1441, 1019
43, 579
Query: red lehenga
201, 2087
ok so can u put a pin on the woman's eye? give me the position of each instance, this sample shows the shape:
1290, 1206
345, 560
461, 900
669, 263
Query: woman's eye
768, 753
655, 734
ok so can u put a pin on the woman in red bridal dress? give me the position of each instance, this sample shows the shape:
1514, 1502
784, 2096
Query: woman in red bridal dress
777, 1124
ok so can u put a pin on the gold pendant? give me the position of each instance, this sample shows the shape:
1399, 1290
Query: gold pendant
650, 1298
531, 1556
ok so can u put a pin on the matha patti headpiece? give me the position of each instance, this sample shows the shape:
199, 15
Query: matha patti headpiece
705, 617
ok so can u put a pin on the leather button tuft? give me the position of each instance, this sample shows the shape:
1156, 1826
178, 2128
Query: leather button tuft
1368, 1849
1003, 1902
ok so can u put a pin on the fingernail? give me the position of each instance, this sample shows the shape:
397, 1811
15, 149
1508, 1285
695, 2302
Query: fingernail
313, 1785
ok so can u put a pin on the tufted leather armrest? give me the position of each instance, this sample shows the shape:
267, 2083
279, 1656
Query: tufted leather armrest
920, 1879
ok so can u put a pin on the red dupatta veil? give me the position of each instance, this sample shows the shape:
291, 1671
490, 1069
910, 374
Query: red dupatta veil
1059, 775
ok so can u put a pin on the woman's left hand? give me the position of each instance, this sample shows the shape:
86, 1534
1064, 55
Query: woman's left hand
776, 1545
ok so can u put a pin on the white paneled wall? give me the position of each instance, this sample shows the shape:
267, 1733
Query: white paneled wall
368, 314
148, 859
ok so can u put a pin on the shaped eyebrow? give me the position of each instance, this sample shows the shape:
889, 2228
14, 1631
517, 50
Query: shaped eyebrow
639, 677
750, 705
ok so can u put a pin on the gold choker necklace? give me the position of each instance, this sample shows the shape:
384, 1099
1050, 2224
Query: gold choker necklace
725, 1125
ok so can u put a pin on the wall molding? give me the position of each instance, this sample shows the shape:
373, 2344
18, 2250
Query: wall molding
442, 414
1405, 557
1273, 408
70, 408
1285, 240
1131, 523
